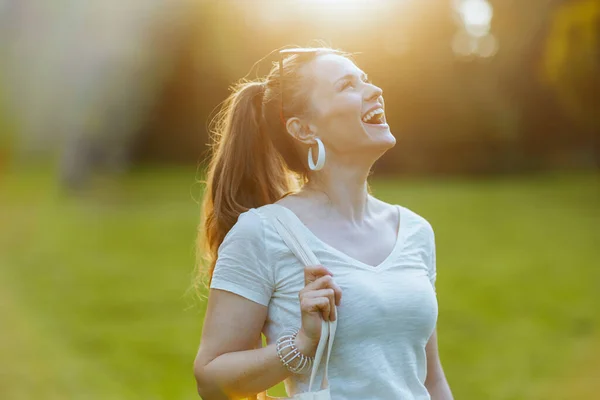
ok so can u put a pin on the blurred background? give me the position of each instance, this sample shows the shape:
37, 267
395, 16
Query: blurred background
104, 107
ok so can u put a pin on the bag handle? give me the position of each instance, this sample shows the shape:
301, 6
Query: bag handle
286, 227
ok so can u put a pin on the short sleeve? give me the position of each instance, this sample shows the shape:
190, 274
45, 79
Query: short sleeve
242, 266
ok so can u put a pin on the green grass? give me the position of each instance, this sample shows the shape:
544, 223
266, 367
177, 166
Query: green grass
94, 302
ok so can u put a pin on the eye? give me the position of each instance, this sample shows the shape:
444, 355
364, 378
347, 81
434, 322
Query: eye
347, 83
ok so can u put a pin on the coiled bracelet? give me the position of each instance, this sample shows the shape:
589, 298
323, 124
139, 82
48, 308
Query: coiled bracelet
303, 363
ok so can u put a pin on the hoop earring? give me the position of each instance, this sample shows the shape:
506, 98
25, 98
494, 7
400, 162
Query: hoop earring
320, 157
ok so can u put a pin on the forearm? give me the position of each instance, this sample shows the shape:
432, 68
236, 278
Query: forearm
438, 388
241, 374
245, 373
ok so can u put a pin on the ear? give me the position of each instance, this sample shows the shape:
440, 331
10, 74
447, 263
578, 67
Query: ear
300, 130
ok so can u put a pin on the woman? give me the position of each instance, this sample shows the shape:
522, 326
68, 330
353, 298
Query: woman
379, 259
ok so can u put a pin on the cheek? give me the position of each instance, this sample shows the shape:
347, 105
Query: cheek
346, 109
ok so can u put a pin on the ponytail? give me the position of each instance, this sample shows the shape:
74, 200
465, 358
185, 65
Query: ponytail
245, 170
254, 161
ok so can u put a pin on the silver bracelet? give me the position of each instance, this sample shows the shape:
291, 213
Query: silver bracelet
286, 341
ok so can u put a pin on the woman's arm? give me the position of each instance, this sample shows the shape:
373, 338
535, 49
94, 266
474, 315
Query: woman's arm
227, 365
239, 374
436, 382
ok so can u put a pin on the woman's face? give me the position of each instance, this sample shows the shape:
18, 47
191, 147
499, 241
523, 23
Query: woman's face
346, 111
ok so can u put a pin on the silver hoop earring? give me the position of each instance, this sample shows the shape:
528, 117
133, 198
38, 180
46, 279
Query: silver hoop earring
320, 156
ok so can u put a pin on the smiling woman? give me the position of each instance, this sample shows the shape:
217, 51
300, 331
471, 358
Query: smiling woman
382, 255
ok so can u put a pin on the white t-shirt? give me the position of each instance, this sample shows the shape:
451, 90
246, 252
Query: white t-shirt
387, 312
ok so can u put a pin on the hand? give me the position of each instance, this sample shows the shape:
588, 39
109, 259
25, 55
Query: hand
318, 299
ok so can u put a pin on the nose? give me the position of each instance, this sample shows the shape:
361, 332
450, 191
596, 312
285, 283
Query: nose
373, 93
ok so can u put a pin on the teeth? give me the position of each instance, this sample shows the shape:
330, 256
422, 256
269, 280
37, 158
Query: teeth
372, 114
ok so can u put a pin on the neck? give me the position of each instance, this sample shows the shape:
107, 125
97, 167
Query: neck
342, 189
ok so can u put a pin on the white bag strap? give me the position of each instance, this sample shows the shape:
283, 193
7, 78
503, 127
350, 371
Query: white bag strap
286, 227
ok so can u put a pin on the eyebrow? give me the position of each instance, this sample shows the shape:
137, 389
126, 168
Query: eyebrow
364, 76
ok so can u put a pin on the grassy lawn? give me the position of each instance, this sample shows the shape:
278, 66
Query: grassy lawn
94, 301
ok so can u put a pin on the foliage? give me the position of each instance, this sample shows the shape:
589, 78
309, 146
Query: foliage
571, 60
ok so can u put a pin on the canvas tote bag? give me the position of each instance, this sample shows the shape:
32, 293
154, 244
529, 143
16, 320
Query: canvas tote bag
286, 229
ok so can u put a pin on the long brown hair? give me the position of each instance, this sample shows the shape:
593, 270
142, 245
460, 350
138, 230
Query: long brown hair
253, 160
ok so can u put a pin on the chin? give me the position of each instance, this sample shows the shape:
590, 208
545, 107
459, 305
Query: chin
381, 137
389, 139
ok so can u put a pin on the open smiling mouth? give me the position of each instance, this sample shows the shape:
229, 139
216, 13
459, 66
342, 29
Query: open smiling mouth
374, 117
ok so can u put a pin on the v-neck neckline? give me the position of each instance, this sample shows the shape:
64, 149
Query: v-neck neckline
347, 257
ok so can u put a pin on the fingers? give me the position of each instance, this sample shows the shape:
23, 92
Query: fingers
325, 282
316, 304
314, 272
329, 294
320, 293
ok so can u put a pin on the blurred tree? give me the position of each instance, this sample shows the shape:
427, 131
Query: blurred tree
570, 64
7, 131
7, 122
123, 56
201, 73
451, 113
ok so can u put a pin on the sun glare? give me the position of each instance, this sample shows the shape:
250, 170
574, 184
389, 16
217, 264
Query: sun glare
339, 10
474, 37
339, 13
